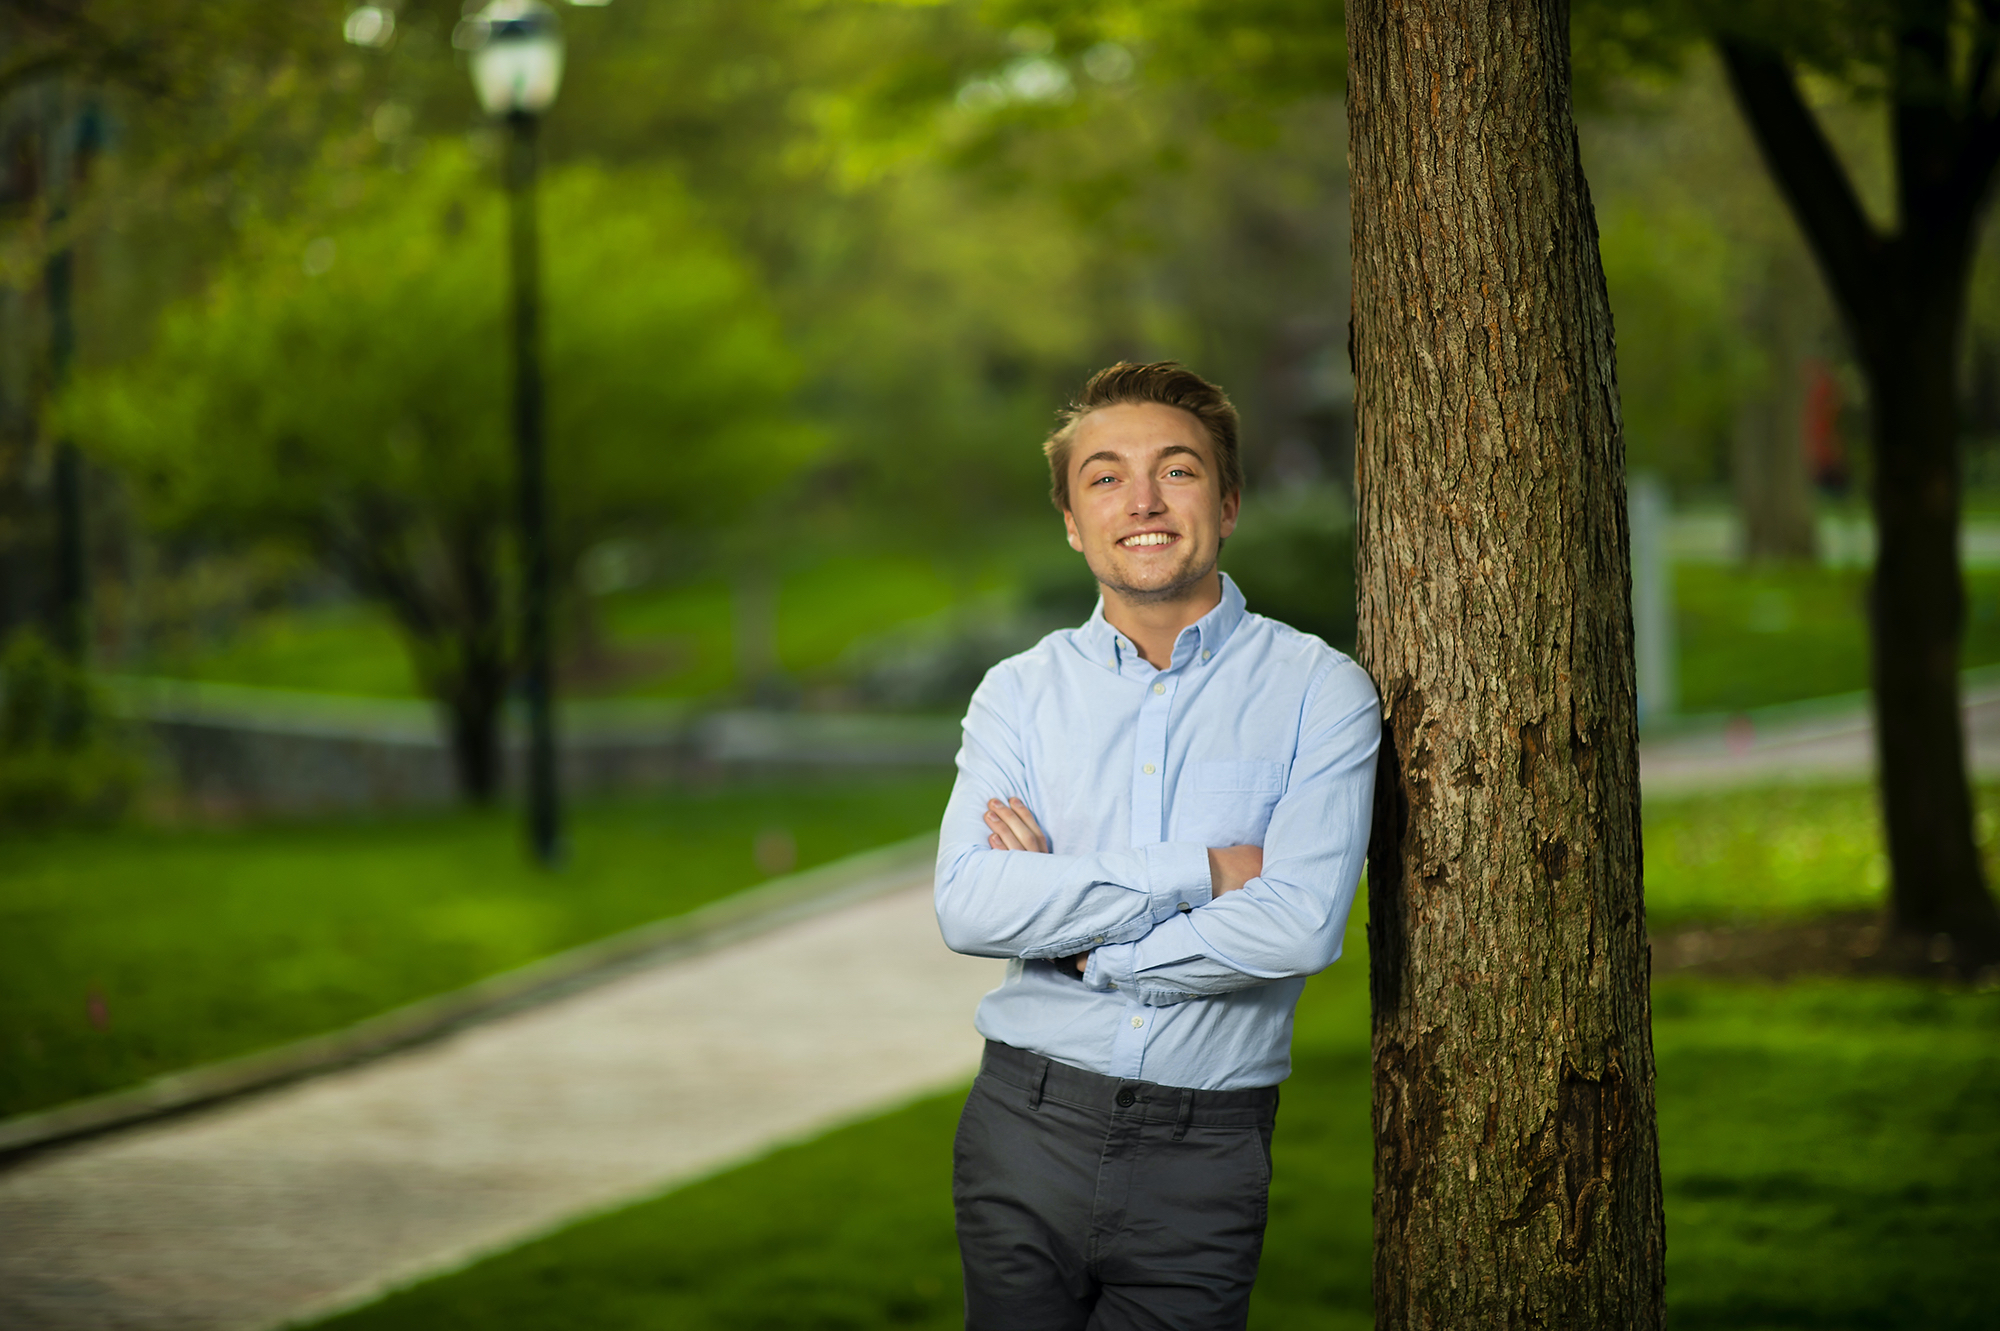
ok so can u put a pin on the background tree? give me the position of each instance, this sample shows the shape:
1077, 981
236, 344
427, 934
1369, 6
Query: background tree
340, 387
1901, 288
1516, 1161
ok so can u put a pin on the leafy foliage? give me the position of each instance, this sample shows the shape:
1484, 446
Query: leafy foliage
1685, 360
59, 761
344, 385
352, 370
1293, 557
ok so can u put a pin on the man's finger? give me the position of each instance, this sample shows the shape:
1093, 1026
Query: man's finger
1008, 837
1027, 816
1021, 835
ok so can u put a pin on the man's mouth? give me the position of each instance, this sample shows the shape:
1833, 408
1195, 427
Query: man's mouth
1145, 538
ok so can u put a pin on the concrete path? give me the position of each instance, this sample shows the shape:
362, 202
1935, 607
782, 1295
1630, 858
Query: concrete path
316, 1196
1808, 742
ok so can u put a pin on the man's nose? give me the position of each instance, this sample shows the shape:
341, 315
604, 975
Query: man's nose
1146, 497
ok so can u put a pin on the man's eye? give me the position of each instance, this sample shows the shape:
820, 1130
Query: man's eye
1178, 471
1102, 479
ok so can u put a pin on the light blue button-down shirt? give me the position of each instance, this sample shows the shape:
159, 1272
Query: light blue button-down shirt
1254, 734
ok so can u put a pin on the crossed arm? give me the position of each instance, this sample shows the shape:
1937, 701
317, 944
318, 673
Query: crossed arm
1014, 828
1165, 921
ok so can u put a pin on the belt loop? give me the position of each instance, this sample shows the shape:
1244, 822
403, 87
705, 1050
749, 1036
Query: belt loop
1186, 1115
1041, 1077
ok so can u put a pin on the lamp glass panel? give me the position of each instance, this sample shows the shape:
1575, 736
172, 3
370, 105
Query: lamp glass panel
518, 73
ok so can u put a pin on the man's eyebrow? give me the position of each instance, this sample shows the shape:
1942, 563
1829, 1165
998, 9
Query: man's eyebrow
1105, 455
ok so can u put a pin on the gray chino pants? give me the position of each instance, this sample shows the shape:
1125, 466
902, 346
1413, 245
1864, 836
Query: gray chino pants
1087, 1203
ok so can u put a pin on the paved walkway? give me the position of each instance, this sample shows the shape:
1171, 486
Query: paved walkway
313, 1197
1812, 742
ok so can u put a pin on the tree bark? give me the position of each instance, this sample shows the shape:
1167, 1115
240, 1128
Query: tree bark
441, 585
1901, 297
1516, 1161
1773, 490
473, 701
1916, 625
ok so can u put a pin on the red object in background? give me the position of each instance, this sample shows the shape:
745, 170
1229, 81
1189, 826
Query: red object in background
1741, 733
1819, 432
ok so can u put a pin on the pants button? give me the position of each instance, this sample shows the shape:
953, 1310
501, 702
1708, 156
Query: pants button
1125, 1098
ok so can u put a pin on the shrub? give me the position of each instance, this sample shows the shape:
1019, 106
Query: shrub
60, 761
1293, 556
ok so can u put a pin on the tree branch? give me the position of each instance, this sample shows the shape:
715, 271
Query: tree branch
1985, 46
1810, 176
1979, 153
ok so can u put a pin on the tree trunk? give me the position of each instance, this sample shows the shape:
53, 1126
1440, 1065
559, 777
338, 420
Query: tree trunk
444, 593
1516, 1161
477, 676
1917, 624
1773, 491
1901, 297
473, 708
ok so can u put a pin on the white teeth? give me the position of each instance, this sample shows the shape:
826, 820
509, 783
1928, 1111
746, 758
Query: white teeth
1148, 538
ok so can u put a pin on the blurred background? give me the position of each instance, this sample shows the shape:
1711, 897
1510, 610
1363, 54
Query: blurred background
814, 277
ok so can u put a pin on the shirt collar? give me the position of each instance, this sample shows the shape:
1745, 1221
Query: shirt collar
1201, 640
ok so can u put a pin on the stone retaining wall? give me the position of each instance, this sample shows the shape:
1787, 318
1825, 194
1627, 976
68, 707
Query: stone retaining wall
266, 751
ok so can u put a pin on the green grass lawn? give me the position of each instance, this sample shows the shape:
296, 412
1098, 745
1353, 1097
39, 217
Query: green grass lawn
1831, 1155
130, 953
673, 641
1752, 637
349, 648
1787, 851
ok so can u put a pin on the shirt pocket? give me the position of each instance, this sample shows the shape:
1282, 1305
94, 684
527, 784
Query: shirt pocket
1245, 776
1230, 802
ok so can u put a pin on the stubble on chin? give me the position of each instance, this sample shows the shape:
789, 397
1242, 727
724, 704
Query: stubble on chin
1172, 591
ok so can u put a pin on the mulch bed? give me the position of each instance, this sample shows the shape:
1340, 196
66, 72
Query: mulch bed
1857, 943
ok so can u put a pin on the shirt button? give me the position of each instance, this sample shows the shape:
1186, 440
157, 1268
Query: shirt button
1137, 1022
1159, 688
1098, 939
1147, 769
1126, 1097
1204, 656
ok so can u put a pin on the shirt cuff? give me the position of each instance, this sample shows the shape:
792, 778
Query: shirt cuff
1110, 967
1177, 872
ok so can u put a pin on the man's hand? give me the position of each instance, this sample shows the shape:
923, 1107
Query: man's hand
1230, 867
1014, 828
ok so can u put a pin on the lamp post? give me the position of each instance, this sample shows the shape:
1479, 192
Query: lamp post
517, 61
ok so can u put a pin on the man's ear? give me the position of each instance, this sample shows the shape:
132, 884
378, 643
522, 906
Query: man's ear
1230, 504
1069, 525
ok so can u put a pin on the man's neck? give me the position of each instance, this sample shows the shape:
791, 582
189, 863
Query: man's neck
1154, 626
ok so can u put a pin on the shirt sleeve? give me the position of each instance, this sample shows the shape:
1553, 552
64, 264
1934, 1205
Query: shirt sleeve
1289, 921
1011, 903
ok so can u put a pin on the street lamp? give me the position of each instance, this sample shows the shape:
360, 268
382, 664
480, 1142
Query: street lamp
517, 61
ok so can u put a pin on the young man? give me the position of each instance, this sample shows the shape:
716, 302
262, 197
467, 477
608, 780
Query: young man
1160, 820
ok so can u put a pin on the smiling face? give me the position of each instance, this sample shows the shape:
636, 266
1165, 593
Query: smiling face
1146, 504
